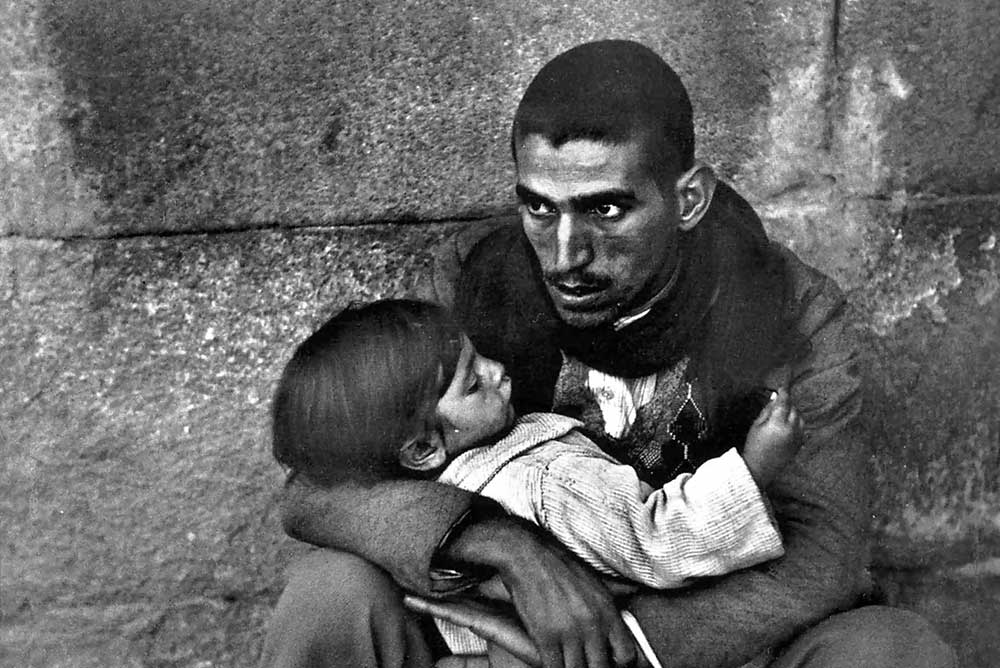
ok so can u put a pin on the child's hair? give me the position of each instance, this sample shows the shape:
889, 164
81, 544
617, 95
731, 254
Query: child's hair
360, 386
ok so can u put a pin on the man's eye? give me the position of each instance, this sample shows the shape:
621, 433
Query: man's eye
472, 388
538, 208
609, 211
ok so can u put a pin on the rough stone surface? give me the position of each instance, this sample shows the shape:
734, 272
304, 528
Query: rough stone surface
196, 632
202, 115
937, 440
41, 190
138, 484
938, 61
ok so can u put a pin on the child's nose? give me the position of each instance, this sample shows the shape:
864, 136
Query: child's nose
491, 369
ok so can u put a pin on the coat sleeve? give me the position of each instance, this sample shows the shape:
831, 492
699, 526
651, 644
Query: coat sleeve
821, 506
398, 525
698, 525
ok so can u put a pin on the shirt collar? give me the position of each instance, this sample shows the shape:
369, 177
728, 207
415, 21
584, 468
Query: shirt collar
641, 312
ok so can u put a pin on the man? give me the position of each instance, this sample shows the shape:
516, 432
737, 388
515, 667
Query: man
641, 296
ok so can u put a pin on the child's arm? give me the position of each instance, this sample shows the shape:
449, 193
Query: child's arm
704, 524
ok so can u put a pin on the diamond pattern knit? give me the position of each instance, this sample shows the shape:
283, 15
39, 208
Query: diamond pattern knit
665, 439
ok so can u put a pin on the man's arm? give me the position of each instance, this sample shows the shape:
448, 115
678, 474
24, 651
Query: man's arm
415, 529
397, 525
821, 505
437, 284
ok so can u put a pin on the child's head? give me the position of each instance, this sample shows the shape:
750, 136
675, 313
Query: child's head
391, 383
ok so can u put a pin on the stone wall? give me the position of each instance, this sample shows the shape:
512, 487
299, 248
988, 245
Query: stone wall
187, 187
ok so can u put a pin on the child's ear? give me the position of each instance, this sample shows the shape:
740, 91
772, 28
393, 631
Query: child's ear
423, 453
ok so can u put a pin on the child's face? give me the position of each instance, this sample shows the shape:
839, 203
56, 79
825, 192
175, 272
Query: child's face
476, 405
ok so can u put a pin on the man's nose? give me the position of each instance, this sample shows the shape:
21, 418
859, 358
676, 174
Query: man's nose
574, 247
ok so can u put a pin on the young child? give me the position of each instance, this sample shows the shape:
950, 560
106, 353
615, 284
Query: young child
394, 388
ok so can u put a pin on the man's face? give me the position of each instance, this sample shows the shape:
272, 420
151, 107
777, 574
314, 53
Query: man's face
603, 230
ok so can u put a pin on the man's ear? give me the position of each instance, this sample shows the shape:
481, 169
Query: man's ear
694, 190
423, 453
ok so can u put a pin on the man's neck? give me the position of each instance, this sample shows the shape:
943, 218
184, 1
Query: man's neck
644, 309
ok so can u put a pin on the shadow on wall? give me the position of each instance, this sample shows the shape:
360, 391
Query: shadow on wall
201, 114
130, 70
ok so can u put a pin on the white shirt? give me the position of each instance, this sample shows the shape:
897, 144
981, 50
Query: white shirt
619, 398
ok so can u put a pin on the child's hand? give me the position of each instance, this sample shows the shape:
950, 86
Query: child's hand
773, 439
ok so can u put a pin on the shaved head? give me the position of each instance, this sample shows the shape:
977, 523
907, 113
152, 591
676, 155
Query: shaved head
611, 91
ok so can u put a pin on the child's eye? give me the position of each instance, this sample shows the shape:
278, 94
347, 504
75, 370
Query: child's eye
472, 388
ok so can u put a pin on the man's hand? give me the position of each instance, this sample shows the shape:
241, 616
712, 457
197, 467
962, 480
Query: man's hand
564, 607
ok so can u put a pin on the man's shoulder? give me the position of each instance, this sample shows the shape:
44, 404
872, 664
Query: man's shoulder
486, 235
831, 371
813, 297
449, 256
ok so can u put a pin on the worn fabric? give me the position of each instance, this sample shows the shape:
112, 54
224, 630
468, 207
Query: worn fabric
665, 435
820, 502
873, 636
698, 525
340, 611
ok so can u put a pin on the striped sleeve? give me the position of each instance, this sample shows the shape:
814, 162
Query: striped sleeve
708, 523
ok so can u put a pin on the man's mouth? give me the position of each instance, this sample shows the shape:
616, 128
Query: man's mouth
577, 294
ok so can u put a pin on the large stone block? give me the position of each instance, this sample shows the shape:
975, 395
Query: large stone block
938, 60
206, 114
42, 192
937, 438
930, 308
134, 403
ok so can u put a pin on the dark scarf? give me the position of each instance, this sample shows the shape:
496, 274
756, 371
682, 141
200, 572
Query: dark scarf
661, 337
724, 312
